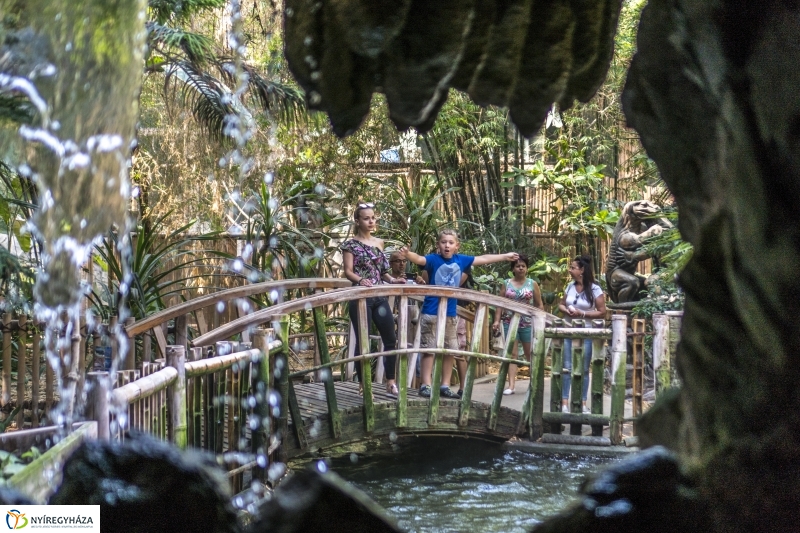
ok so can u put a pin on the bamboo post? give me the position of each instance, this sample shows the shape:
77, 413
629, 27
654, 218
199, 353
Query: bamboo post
637, 381
661, 363
112, 333
535, 400
326, 375
402, 372
366, 367
282, 379
477, 337
147, 347
597, 364
22, 354
176, 397
500, 385
230, 407
556, 367
436, 377
412, 362
197, 402
97, 402
81, 358
219, 412
209, 412
6, 395
129, 359
619, 355
261, 426
182, 330
35, 369
351, 351
576, 388
675, 318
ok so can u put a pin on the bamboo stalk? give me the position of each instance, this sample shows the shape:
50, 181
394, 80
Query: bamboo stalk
220, 363
469, 380
176, 397
97, 402
549, 438
598, 361
354, 293
22, 354
49, 387
260, 431
144, 387
675, 318
6, 395
327, 377
661, 362
197, 402
577, 332
503, 372
366, 369
129, 357
282, 379
402, 373
197, 305
35, 369
618, 364
536, 387
229, 406
219, 412
436, 377
556, 384
576, 387
637, 381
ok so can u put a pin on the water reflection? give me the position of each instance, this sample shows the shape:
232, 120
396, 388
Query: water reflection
437, 485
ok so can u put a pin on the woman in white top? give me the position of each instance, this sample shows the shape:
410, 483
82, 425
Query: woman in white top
579, 303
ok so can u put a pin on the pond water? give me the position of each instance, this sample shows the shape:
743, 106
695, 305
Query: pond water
438, 485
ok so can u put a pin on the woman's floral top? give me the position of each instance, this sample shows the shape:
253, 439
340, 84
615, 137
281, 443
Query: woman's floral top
369, 262
523, 295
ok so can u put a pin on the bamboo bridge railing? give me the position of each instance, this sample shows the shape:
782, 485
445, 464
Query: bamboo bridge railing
220, 399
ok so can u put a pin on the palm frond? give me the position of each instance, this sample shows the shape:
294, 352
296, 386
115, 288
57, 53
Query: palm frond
280, 99
16, 108
198, 49
208, 99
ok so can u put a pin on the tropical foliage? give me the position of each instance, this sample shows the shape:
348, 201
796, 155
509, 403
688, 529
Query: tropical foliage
160, 267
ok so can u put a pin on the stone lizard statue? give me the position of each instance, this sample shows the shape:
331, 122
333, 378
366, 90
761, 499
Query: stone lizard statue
637, 223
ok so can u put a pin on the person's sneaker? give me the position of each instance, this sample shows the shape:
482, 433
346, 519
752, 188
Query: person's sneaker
445, 392
460, 393
425, 391
586, 410
508, 392
565, 409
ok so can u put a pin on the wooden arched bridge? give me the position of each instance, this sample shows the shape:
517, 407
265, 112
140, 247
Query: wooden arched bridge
237, 387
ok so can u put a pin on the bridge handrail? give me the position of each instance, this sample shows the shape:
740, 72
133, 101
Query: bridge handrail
549, 333
356, 293
147, 386
244, 291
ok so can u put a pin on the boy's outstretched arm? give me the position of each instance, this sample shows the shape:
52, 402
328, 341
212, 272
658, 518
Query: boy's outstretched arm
485, 259
417, 259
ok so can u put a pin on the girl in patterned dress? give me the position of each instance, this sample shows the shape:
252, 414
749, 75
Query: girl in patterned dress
522, 289
365, 265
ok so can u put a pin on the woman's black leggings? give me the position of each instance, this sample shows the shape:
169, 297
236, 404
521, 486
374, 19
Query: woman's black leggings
378, 312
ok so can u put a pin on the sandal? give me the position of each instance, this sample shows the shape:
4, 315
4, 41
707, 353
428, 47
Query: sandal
391, 390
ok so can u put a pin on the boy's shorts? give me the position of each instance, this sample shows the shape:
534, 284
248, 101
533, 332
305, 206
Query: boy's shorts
428, 332
461, 333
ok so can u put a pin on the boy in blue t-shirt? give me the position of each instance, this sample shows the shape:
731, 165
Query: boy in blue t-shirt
444, 268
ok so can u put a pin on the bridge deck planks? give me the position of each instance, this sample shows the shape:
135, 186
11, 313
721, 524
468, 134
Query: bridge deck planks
316, 421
